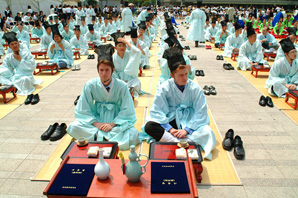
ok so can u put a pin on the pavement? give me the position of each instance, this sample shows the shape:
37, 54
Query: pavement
270, 138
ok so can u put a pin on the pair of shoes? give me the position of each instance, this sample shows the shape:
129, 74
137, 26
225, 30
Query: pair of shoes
182, 39
91, 56
200, 73
209, 90
230, 142
219, 57
75, 67
186, 47
32, 99
266, 101
228, 66
76, 100
192, 57
208, 47
181, 36
54, 132
202, 41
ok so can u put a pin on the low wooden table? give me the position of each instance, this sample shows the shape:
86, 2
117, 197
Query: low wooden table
37, 40
7, 89
77, 55
117, 185
292, 94
5, 46
91, 45
220, 46
234, 55
39, 53
104, 39
166, 151
51, 67
259, 68
269, 54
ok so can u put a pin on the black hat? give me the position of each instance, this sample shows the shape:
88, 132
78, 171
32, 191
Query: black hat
126, 3
46, 25
55, 30
171, 31
148, 18
236, 19
172, 40
114, 14
237, 26
286, 45
199, 3
107, 16
250, 31
77, 27
174, 57
142, 25
213, 20
134, 32
79, 4
93, 18
83, 18
55, 17
104, 52
64, 23
117, 35
51, 18
169, 24
265, 45
223, 23
10, 37
36, 23
292, 31
249, 24
166, 15
90, 27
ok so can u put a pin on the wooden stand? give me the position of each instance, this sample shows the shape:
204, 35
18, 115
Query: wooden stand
104, 39
39, 53
91, 45
234, 55
140, 71
220, 46
269, 54
77, 55
258, 68
288, 95
37, 40
5, 91
46, 67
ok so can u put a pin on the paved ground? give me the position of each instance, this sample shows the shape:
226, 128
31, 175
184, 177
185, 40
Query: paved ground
270, 137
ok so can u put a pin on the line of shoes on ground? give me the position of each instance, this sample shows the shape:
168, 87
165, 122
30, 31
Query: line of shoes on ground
32, 99
209, 90
75, 67
91, 56
208, 47
192, 57
266, 101
200, 73
219, 57
182, 38
54, 132
229, 142
228, 66
186, 47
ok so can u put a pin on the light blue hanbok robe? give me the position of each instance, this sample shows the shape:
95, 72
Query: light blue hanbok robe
2, 50
67, 36
24, 37
96, 104
250, 53
45, 41
106, 30
280, 53
19, 74
58, 54
223, 38
89, 14
166, 73
270, 38
81, 44
196, 30
231, 43
146, 40
282, 72
186, 20
22, 46
84, 29
79, 14
144, 60
126, 15
95, 37
210, 32
188, 108
127, 68
142, 16
36, 33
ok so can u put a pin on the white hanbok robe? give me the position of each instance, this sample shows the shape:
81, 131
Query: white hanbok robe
142, 16
95, 37
84, 29
188, 108
127, 68
106, 30
81, 44
250, 53
210, 32
45, 41
280, 53
89, 12
282, 72
67, 35
196, 30
270, 38
2, 50
144, 60
58, 54
19, 74
36, 33
96, 104
126, 15
24, 37
223, 38
79, 14
231, 43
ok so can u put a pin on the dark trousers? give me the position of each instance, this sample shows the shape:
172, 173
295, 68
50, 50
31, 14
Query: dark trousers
155, 130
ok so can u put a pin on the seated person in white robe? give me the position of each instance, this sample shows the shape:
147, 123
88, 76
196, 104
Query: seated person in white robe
222, 34
179, 109
23, 35
37, 30
78, 42
268, 39
18, 67
67, 33
105, 29
105, 109
211, 31
83, 26
142, 36
60, 51
283, 75
92, 36
292, 35
233, 42
250, 52
127, 62
46, 38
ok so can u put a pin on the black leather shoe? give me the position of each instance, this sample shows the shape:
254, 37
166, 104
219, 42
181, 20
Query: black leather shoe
46, 135
221, 57
269, 102
227, 142
76, 100
231, 67
194, 57
206, 90
28, 99
93, 56
59, 132
202, 73
198, 73
35, 99
212, 90
262, 101
239, 152
217, 57
226, 66
89, 56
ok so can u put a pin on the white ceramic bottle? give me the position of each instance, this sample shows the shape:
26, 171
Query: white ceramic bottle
102, 168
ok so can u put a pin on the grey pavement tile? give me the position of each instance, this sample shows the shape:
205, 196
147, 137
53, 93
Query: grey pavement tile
256, 154
269, 182
13, 156
19, 196
27, 188
283, 154
5, 174
10, 164
25, 148
22, 175
44, 148
280, 146
7, 186
222, 191
259, 172
295, 190
30, 165
33, 156
270, 192
253, 162
289, 172
2, 181
276, 140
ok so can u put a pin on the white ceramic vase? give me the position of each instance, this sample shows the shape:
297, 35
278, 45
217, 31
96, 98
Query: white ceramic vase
102, 168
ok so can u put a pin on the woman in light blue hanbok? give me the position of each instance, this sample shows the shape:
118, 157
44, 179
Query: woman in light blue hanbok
105, 110
79, 42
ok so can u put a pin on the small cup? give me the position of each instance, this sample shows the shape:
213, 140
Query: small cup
183, 143
82, 141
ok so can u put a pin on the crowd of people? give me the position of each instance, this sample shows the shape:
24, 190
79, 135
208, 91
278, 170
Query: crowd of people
105, 109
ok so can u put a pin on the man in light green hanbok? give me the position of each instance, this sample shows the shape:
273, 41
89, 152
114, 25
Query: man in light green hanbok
105, 109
